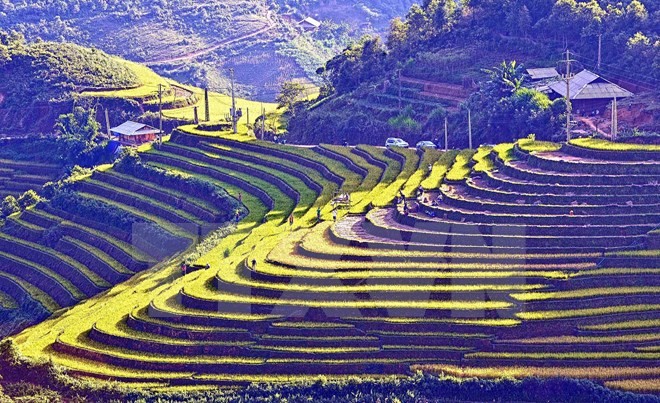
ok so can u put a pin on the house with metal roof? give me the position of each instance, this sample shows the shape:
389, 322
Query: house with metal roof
309, 24
542, 73
588, 91
134, 133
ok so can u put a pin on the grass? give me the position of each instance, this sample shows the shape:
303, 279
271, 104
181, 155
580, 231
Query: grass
518, 372
7, 302
586, 293
429, 158
636, 385
461, 167
530, 145
129, 249
573, 355
505, 151
84, 270
66, 284
625, 325
574, 313
359, 200
591, 340
482, 159
319, 266
439, 170
605, 145
35, 293
392, 190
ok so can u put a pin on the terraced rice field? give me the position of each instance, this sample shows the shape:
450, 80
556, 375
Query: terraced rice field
52, 258
533, 265
18, 176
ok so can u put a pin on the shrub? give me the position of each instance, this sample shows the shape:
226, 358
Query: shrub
74, 203
9, 206
29, 198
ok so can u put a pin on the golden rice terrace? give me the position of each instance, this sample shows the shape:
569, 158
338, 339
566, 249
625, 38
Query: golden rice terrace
525, 259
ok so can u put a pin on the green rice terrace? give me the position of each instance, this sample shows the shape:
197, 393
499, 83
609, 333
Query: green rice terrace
526, 259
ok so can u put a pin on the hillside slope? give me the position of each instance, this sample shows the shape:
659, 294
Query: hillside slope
530, 259
196, 42
444, 59
43, 80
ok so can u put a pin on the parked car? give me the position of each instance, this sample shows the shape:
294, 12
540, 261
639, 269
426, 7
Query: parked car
425, 144
396, 142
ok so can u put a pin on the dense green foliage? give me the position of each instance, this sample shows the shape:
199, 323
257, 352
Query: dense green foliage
504, 110
77, 139
453, 42
48, 71
91, 209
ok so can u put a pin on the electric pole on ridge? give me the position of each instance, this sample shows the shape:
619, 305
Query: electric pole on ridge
160, 114
568, 95
600, 49
233, 104
615, 120
446, 135
469, 129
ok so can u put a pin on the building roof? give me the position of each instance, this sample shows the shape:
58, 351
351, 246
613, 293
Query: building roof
311, 21
543, 73
130, 128
588, 85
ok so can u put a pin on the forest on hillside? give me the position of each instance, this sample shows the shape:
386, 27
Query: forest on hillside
483, 45
197, 42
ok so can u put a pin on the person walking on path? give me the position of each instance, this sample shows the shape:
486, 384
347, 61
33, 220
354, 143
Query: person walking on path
240, 197
318, 214
334, 215
291, 220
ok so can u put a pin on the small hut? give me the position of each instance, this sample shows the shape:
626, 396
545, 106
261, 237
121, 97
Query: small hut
133, 133
309, 24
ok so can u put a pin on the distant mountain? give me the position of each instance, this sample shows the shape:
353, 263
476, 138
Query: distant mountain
197, 42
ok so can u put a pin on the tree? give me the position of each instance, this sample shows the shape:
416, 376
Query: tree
77, 137
504, 79
436, 120
290, 93
405, 124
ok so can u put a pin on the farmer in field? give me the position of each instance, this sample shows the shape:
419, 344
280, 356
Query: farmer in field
334, 214
318, 214
291, 220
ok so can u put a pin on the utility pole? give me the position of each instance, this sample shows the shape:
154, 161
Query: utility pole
233, 103
399, 89
195, 115
263, 122
247, 110
160, 114
615, 120
207, 112
600, 48
469, 129
107, 123
446, 134
568, 95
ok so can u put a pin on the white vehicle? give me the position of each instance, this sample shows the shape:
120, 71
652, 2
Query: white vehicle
425, 144
396, 142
